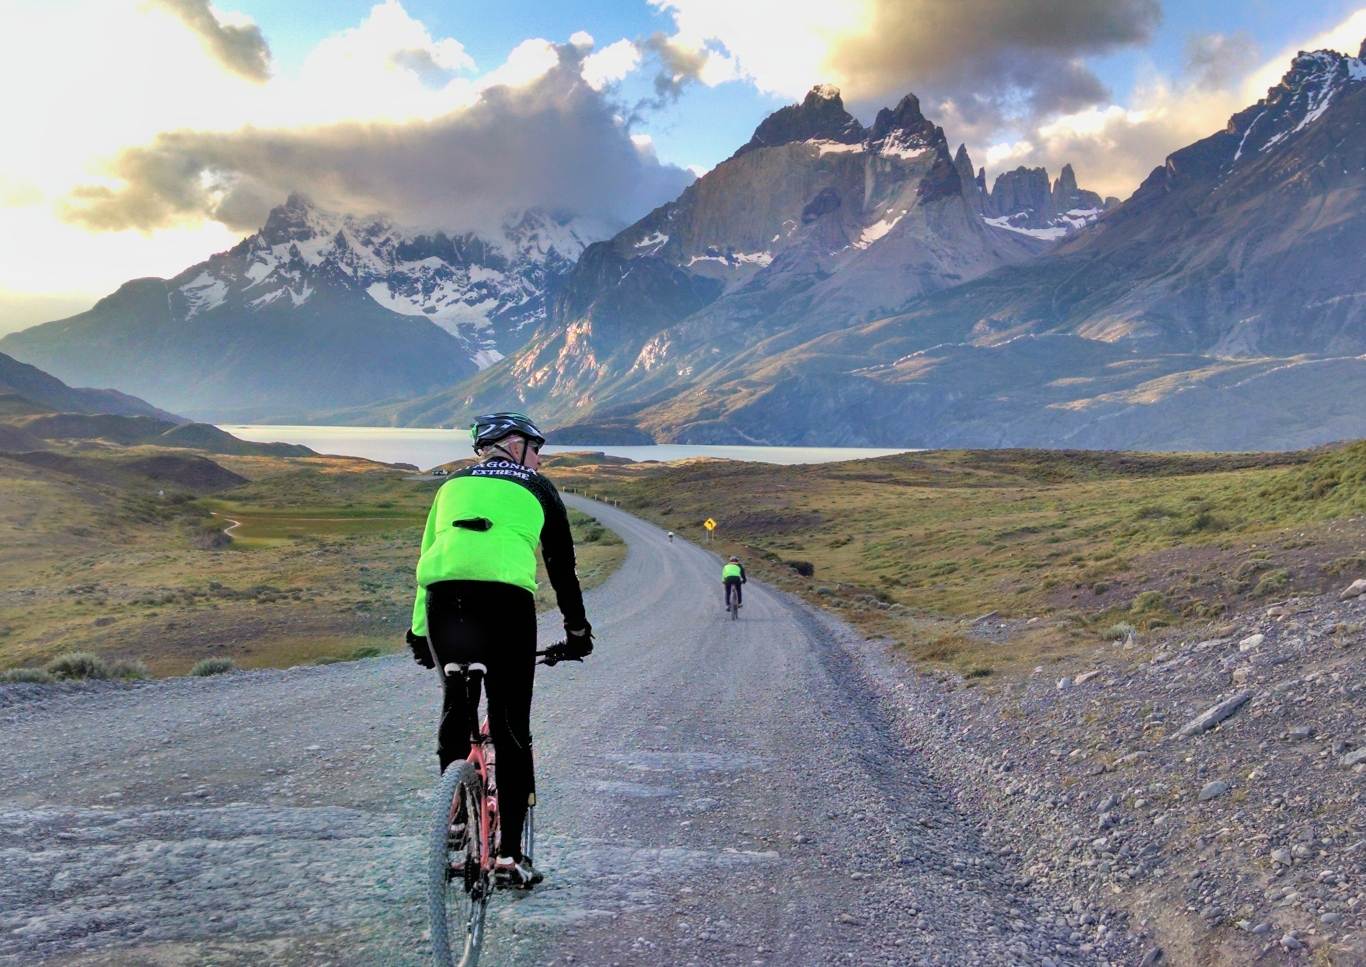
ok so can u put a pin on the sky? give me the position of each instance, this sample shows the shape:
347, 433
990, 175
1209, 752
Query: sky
144, 135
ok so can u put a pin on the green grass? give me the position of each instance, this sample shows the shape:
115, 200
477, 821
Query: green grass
322, 566
909, 546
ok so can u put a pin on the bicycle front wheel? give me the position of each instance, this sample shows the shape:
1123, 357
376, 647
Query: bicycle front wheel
458, 887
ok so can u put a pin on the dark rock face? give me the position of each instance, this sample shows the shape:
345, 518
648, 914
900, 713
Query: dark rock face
905, 116
1023, 199
1021, 190
972, 183
825, 202
821, 115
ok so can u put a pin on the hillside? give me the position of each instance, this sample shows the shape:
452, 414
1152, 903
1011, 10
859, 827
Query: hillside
26, 389
130, 431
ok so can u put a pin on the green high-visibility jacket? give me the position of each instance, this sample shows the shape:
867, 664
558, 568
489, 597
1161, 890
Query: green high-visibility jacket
484, 525
732, 570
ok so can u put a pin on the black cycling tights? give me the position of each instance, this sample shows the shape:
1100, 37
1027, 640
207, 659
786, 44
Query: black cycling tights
495, 624
733, 583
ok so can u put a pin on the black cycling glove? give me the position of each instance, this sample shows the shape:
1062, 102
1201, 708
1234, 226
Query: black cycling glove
422, 654
578, 644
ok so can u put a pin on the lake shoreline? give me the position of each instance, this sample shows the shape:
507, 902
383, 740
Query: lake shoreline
430, 447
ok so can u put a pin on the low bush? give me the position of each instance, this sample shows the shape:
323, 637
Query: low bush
366, 651
78, 666
1272, 581
1347, 565
128, 669
805, 568
327, 660
213, 666
1147, 601
1118, 631
25, 676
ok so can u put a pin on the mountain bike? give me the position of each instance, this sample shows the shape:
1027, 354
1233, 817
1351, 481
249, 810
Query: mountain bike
464, 838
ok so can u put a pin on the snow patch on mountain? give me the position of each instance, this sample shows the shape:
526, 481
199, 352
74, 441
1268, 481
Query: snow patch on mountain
1049, 234
202, 293
825, 147
879, 229
1307, 90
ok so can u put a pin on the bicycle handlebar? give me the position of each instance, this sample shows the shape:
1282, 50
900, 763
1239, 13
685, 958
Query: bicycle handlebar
555, 654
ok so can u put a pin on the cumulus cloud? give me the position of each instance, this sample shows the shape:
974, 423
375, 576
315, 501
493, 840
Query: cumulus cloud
609, 65
1114, 146
992, 59
239, 47
553, 142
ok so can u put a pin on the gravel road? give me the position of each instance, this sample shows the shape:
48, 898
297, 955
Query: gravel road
712, 792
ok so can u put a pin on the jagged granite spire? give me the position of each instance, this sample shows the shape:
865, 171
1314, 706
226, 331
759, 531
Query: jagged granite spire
971, 190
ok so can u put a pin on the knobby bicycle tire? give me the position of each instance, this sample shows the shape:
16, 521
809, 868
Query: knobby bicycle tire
457, 902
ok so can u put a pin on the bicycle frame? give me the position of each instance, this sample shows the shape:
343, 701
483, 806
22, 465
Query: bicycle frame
482, 759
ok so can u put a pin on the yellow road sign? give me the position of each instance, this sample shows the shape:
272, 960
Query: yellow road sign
709, 524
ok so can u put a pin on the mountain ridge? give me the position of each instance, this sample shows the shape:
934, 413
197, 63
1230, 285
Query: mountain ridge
1224, 275
22, 383
313, 311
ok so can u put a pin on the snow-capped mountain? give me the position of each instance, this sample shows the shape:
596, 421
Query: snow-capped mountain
816, 221
484, 291
316, 311
1220, 306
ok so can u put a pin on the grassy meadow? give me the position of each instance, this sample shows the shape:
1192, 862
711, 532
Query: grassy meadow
1071, 550
318, 567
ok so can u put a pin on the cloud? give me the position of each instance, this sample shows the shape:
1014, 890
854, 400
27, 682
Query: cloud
993, 59
554, 142
1218, 60
1113, 146
602, 68
239, 47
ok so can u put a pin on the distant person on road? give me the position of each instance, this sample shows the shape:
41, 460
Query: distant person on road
671, 537
732, 577
476, 601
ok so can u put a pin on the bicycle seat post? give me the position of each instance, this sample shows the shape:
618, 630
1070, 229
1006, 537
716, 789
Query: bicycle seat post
473, 673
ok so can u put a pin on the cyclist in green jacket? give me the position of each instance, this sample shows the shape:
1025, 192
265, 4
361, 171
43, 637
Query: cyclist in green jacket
732, 576
476, 586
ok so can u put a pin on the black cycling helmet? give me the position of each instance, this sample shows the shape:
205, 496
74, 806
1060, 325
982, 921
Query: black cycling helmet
489, 429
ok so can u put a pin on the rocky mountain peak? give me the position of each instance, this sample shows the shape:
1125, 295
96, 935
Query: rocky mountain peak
1314, 83
1066, 183
972, 189
821, 116
1024, 201
295, 221
905, 116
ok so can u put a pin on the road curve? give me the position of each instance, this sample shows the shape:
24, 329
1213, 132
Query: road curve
711, 792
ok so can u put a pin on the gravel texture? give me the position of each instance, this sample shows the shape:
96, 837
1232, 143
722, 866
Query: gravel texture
1210, 784
756, 792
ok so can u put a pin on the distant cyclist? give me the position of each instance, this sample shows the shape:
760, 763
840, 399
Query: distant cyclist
476, 587
671, 537
732, 576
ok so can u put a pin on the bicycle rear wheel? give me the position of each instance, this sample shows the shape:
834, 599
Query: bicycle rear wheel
734, 610
458, 888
